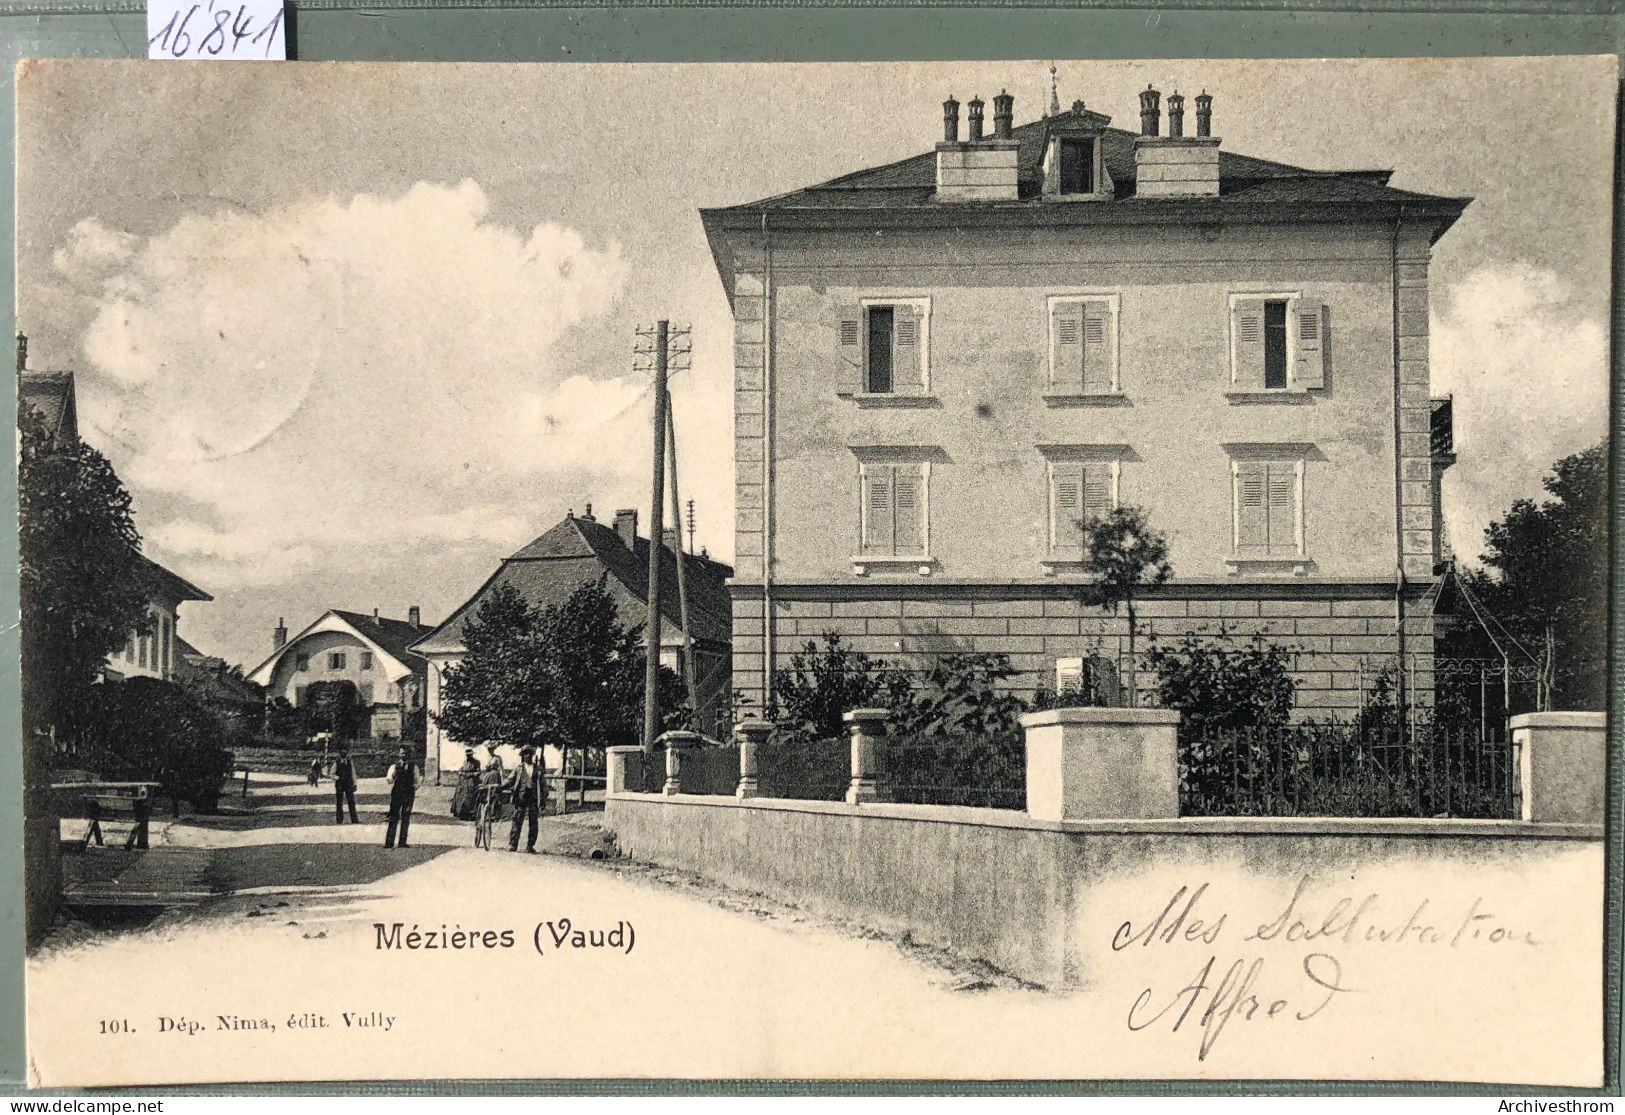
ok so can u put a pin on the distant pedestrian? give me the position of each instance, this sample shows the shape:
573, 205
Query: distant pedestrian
314, 774
465, 803
528, 785
344, 788
402, 778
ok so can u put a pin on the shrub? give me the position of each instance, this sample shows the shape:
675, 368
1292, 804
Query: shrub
149, 730
822, 684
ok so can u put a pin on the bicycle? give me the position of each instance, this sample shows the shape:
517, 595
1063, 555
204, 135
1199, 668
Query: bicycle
486, 817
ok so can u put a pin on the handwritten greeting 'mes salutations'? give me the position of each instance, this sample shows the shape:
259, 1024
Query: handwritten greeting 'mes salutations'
1247, 989
216, 29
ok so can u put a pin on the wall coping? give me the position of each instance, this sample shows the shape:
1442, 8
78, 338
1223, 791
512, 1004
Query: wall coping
1596, 721
1363, 827
1100, 716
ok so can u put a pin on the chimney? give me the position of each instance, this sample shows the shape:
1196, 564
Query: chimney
414, 616
626, 525
376, 622
1150, 115
1175, 165
673, 538
22, 352
978, 168
1004, 111
586, 516
1204, 114
279, 636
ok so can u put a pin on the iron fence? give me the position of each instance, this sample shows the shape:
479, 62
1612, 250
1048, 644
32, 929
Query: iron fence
1339, 771
990, 772
808, 769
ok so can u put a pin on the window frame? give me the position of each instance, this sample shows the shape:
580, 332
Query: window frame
872, 457
1287, 455
1293, 300
337, 660
301, 663
1054, 390
365, 662
1086, 454
921, 303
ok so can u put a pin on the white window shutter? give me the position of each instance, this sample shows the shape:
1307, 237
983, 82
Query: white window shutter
1283, 508
908, 349
1252, 524
849, 340
1097, 491
1310, 339
1247, 343
908, 503
1097, 347
1066, 507
877, 509
1066, 364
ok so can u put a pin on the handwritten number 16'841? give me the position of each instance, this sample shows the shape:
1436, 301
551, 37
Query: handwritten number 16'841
214, 29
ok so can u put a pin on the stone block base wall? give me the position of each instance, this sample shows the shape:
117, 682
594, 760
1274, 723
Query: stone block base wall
1339, 636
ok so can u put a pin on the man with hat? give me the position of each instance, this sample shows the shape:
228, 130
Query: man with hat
402, 778
528, 786
344, 787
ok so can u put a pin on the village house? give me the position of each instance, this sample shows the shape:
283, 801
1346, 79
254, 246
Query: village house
150, 651
372, 653
580, 550
945, 363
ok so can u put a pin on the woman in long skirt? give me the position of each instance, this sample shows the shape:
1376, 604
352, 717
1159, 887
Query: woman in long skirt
466, 800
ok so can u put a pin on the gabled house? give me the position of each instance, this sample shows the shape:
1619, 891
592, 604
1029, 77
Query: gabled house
944, 364
581, 549
151, 652
373, 653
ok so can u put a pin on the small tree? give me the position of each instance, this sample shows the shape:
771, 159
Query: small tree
1218, 685
82, 581
819, 685
1124, 555
570, 674
334, 706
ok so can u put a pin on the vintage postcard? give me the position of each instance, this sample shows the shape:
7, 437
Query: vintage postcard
1039, 569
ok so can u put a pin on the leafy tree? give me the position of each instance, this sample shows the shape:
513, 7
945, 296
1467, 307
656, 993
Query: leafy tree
959, 695
82, 580
334, 706
821, 684
144, 729
282, 719
1124, 555
569, 674
1549, 577
1219, 686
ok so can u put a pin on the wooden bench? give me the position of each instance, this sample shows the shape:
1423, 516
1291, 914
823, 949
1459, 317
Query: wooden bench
95, 801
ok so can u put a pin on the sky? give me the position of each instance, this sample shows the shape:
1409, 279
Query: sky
353, 332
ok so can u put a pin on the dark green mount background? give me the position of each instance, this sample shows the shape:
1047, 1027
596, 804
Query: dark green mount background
419, 31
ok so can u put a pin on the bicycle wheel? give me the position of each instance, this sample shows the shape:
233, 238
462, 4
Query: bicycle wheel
482, 827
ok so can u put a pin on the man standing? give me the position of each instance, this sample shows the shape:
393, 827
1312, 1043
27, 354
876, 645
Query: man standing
529, 789
402, 778
344, 787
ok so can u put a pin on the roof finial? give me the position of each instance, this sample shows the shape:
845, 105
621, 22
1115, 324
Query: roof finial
1054, 93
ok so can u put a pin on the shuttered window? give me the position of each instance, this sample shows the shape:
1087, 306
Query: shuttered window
883, 348
1267, 508
1079, 491
1083, 346
1277, 343
894, 509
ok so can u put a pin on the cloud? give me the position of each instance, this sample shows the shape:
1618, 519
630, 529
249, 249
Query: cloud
320, 381
1528, 367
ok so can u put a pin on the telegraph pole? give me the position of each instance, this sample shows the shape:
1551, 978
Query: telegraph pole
682, 589
657, 498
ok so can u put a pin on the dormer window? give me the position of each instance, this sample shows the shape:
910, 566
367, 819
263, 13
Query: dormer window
1077, 166
1073, 167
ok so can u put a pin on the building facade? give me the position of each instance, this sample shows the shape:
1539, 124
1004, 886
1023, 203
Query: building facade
943, 365
369, 652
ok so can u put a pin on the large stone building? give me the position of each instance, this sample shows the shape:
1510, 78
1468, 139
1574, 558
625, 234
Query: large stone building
944, 364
